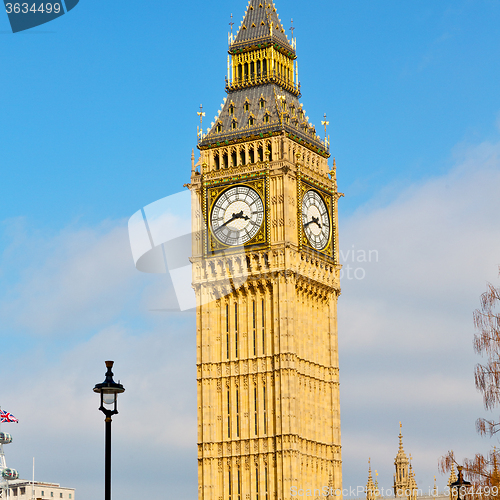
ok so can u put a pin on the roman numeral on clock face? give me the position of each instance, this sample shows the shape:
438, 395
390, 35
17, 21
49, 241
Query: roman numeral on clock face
315, 220
237, 215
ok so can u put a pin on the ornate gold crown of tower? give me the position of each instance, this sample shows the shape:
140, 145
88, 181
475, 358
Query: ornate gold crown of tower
266, 277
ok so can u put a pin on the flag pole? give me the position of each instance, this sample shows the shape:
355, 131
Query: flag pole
33, 482
2, 462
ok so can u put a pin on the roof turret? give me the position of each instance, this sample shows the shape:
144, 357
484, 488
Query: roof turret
401, 457
370, 485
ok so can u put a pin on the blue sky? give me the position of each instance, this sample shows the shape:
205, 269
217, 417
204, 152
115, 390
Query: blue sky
98, 119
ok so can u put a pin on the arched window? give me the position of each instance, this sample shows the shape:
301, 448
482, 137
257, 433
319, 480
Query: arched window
217, 162
225, 160
233, 159
242, 157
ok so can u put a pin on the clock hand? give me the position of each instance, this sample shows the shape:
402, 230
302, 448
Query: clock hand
234, 217
316, 220
239, 215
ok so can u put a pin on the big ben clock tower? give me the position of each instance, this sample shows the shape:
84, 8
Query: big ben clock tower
266, 277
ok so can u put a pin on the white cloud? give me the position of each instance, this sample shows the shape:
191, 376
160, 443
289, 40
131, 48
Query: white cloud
76, 300
406, 329
76, 279
59, 417
438, 243
405, 335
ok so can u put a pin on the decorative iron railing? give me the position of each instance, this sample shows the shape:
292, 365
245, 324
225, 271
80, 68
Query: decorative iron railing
222, 138
260, 79
263, 41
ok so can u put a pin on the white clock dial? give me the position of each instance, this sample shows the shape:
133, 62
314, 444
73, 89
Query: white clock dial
315, 220
237, 215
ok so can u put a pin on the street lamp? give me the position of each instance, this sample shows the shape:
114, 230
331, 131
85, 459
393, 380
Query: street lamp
109, 391
460, 484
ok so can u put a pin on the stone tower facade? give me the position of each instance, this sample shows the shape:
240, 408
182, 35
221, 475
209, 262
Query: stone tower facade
266, 277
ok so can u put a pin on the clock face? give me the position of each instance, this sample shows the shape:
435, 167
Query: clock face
315, 220
237, 215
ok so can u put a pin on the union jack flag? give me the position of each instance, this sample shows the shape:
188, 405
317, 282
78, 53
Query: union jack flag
5, 417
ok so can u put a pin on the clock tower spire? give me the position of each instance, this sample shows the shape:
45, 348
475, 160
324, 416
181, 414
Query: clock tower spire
266, 277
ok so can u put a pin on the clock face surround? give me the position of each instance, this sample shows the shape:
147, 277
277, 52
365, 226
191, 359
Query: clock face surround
315, 220
237, 215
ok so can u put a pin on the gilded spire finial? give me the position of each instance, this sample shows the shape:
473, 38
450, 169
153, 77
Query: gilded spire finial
369, 485
325, 123
201, 114
230, 35
281, 107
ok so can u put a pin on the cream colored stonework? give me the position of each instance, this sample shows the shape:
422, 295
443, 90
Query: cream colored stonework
267, 348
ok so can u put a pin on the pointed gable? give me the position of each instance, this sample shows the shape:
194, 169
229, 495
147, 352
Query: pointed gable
261, 22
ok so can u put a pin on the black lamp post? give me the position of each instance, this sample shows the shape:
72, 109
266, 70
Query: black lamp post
109, 391
460, 484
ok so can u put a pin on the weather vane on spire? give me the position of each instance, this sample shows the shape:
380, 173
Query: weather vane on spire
325, 123
292, 28
231, 24
201, 114
230, 35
